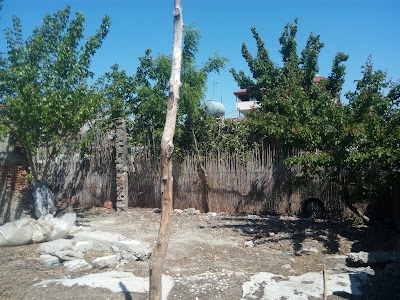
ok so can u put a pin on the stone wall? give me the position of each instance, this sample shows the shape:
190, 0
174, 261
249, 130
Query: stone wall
121, 165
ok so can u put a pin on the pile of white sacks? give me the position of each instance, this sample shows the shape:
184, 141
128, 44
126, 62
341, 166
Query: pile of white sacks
29, 230
63, 243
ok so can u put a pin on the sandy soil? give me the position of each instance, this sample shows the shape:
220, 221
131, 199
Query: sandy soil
207, 256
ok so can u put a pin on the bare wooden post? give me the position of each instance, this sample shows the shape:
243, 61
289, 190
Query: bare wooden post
325, 276
167, 147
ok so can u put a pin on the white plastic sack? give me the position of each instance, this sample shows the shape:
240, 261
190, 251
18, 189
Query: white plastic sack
42, 228
62, 226
28, 230
16, 233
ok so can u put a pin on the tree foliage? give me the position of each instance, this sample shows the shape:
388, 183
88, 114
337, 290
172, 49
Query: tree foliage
146, 93
46, 91
293, 106
355, 144
372, 159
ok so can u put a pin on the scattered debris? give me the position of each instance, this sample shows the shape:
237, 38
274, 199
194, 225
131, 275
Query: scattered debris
373, 258
113, 280
48, 260
250, 230
220, 271
302, 287
212, 214
191, 211
54, 246
309, 250
54, 253
116, 243
249, 244
77, 265
68, 255
106, 261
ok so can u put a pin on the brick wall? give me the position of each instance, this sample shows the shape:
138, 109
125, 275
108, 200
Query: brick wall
15, 196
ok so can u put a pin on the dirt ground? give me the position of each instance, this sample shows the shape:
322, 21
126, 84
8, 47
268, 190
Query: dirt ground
207, 255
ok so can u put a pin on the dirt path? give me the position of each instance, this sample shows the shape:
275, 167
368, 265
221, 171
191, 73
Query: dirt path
211, 256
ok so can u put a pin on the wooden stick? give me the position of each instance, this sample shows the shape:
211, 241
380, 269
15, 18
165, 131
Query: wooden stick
167, 147
325, 283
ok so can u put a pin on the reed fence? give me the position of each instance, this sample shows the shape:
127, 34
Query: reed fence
256, 181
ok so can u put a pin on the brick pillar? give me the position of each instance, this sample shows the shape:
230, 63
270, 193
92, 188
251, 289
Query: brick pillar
121, 153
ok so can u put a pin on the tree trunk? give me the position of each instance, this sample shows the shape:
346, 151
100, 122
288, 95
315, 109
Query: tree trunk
346, 200
203, 179
32, 167
167, 147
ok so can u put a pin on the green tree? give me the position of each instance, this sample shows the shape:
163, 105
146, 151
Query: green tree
372, 160
46, 92
118, 89
292, 107
355, 145
2, 79
360, 148
150, 104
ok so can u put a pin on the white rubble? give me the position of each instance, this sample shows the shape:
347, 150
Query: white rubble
116, 243
83, 246
309, 250
106, 261
249, 244
373, 258
62, 250
48, 260
54, 246
191, 211
68, 254
114, 281
302, 287
212, 214
77, 265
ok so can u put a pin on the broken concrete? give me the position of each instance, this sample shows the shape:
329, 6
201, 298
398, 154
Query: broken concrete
116, 243
191, 211
302, 287
68, 255
113, 281
83, 246
106, 261
77, 265
48, 260
56, 252
54, 246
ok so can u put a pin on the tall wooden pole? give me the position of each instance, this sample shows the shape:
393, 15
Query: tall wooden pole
167, 147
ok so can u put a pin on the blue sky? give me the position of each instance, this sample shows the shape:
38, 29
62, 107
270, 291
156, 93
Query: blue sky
357, 27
